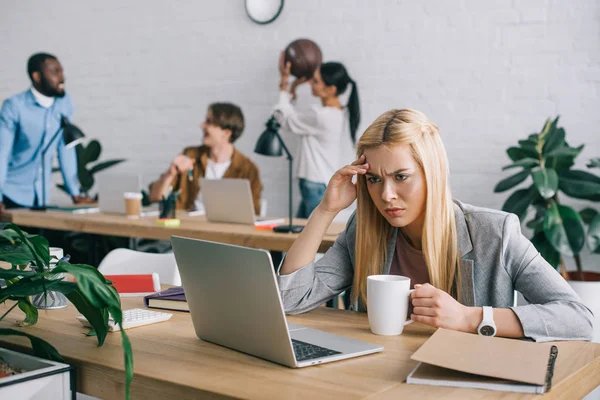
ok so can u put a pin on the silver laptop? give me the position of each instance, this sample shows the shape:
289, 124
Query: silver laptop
230, 200
234, 302
111, 186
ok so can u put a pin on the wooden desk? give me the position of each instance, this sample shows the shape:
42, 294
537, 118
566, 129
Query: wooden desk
171, 362
193, 227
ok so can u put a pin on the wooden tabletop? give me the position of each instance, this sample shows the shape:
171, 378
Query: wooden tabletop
171, 362
193, 227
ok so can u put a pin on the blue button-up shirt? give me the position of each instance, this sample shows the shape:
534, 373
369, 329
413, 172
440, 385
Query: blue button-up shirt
26, 128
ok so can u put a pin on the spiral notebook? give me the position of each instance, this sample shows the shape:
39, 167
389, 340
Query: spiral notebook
458, 359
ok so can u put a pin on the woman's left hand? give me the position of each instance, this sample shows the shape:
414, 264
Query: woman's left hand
437, 308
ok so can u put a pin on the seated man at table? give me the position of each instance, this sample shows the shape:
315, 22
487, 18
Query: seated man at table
216, 158
28, 123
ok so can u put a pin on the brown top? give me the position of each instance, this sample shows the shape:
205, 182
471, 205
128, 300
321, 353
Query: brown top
409, 262
241, 167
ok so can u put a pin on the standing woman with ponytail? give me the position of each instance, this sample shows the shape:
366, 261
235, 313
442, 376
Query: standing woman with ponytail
321, 129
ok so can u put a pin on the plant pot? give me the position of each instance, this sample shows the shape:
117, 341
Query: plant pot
589, 291
43, 379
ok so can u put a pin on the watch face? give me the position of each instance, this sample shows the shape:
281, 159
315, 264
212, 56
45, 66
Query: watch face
487, 330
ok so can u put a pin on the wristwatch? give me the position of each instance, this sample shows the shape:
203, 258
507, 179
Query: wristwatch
487, 327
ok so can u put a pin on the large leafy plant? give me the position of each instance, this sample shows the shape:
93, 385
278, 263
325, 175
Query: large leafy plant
29, 274
558, 230
88, 166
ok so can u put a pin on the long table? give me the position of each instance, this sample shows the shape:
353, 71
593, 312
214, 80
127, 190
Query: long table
170, 362
191, 226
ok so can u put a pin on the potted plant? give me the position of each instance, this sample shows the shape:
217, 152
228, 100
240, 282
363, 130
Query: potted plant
27, 273
559, 230
86, 156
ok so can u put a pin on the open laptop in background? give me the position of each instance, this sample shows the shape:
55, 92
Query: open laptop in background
234, 302
111, 186
230, 200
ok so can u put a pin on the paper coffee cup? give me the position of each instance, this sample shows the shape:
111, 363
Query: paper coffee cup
133, 204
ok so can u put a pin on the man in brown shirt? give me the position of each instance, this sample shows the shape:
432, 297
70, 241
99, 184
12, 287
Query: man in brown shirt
216, 158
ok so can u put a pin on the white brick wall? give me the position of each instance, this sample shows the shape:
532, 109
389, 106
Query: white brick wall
487, 72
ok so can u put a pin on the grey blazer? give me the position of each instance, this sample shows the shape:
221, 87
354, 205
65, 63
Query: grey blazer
495, 260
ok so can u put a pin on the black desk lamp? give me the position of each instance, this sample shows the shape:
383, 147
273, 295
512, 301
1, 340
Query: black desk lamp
72, 136
271, 144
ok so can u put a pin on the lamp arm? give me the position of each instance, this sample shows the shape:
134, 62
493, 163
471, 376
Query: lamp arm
287, 151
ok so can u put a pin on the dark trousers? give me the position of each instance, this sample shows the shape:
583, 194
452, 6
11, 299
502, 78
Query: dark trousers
8, 203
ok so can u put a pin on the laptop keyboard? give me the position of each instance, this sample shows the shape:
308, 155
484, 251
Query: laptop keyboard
306, 351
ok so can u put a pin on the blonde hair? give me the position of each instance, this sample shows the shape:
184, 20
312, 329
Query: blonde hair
373, 232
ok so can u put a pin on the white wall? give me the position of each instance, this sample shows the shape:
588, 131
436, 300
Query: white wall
487, 72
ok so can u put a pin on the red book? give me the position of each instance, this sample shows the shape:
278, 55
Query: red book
135, 285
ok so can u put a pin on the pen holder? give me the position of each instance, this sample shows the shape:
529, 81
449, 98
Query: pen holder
166, 208
51, 300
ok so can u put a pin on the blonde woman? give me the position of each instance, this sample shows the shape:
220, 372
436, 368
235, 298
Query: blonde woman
461, 259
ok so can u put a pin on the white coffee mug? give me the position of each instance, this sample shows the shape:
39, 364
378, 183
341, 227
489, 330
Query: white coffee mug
388, 298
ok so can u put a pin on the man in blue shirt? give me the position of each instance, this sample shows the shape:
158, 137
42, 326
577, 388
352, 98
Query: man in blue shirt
28, 122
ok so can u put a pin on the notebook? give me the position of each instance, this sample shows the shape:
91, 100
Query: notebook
170, 299
459, 359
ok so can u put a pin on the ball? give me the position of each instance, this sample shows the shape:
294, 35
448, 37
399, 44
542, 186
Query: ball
305, 57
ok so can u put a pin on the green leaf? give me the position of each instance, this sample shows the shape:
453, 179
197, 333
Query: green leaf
580, 184
511, 181
553, 140
41, 248
593, 236
525, 163
516, 154
546, 249
128, 361
546, 181
40, 347
145, 199
86, 180
31, 313
563, 158
91, 152
587, 215
16, 254
91, 283
529, 147
7, 274
565, 152
8, 235
98, 317
518, 202
105, 164
36, 244
29, 286
594, 163
564, 229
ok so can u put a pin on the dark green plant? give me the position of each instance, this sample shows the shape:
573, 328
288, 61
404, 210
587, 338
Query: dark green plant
91, 294
88, 155
558, 230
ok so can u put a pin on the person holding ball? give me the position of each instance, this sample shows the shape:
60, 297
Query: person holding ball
321, 129
465, 262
